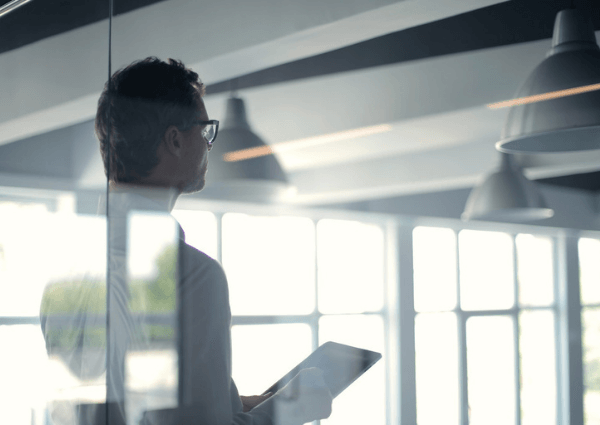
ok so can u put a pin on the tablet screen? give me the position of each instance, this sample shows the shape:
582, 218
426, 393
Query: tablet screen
341, 365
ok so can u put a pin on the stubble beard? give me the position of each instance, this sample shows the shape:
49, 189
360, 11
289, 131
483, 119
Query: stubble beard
196, 184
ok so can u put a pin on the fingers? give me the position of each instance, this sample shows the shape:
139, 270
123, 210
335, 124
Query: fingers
311, 377
316, 392
250, 402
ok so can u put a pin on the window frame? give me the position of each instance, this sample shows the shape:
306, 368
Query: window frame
389, 311
566, 309
582, 307
54, 201
398, 312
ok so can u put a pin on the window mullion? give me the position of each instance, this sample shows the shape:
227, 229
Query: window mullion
19, 320
462, 347
557, 309
316, 313
219, 218
570, 330
516, 334
407, 399
391, 317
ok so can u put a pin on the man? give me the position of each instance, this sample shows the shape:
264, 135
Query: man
155, 135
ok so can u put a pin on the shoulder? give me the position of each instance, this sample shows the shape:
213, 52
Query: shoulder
196, 265
203, 285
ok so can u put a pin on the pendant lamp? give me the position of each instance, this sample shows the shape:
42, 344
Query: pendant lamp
259, 179
12, 5
506, 195
566, 121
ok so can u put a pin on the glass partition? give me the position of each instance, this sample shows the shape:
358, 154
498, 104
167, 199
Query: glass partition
182, 289
53, 62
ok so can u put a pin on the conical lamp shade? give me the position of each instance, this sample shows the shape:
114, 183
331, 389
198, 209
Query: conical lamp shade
506, 195
567, 123
259, 179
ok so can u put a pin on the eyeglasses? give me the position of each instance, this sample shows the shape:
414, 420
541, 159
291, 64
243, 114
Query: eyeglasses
210, 130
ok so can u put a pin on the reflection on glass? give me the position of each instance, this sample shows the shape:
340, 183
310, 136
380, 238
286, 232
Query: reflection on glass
351, 266
72, 312
436, 362
24, 378
434, 262
53, 68
151, 360
55, 247
591, 365
200, 229
151, 237
589, 266
270, 264
68, 252
486, 270
151, 379
143, 356
264, 353
18, 280
363, 402
535, 270
491, 370
538, 367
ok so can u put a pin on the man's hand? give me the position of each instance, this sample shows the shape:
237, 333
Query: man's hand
250, 402
304, 399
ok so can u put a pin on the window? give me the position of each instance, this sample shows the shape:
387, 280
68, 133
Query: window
295, 280
302, 283
200, 229
589, 266
485, 347
351, 281
487, 342
270, 264
39, 247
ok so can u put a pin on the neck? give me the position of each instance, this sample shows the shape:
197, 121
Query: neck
164, 196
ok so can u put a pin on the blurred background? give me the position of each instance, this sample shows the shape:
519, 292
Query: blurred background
372, 123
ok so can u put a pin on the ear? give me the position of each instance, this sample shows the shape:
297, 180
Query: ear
172, 141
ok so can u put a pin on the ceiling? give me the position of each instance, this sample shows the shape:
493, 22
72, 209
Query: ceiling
425, 69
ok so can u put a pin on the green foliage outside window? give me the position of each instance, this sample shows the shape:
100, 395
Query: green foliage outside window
76, 300
591, 346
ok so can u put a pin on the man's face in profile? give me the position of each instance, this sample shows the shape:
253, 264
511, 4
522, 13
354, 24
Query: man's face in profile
194, 163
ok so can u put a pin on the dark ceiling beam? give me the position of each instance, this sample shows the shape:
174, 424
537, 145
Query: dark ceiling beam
40, 19
586, 181
494, 26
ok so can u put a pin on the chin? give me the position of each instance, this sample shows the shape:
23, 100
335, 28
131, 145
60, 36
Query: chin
194, 186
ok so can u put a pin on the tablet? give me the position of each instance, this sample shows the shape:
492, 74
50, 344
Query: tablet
341, 365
